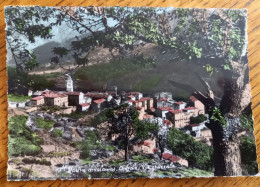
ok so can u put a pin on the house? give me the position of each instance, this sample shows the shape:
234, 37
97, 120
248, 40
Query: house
98, 105
163, 102
179, 105
167, 122
175, 159
197, 104
137, 95
135, 103
161, 111
166, 95
56, 99
141, 112
36, 101
146, 146
83, 107
147, 102
179, 118
75, 98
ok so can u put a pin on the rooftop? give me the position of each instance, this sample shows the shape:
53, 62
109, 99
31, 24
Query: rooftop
165, 108
85, 104
37, 98
175, 111
170, 157
99, 101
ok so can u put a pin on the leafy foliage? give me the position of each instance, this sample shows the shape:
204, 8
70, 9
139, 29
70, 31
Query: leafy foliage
45, 124
198, 119
21, 140
57, 133
198, 154
18, 98
248, 155
218, 117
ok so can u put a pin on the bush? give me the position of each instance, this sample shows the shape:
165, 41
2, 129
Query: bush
45, 124
57, 133
36, 161
21, 140
12, 174
140, 158
198, 154
199, 119
248, 155
18, 98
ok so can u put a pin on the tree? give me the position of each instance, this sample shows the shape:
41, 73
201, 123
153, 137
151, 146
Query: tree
198, 154
122, 122
214, 39
198, 119
125, 122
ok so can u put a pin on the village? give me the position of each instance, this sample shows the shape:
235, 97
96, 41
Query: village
160, 108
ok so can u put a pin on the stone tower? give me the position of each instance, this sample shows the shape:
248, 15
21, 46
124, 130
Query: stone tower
69, 84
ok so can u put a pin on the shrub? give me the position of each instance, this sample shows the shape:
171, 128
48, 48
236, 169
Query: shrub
198, 154
199, 119
12, 174
45, 124
21, 140
57, 133
248, 155
36, 161
140, 158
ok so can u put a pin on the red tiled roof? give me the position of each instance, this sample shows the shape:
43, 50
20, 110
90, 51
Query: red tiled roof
165, 108
167, 122
73, 93
138, 108
145, 98
37, 98
133, 93
98, 101
189, 108
130, 96
193, 125
51, 95
175, 111
54, 95
170, 157
163, 99
85, 104
192, 98
148, 116
179, 103
97, 95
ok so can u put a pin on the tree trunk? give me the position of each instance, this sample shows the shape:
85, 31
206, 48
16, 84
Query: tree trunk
227, 159
126, 153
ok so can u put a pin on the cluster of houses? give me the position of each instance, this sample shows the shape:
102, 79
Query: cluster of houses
160, 106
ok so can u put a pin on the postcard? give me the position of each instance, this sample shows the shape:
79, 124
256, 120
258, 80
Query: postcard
127, 92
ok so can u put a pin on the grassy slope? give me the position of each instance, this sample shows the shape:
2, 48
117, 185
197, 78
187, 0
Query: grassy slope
17, 98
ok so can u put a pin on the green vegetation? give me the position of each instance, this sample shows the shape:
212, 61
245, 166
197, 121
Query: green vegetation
45, 124
148, 83
199, 119
108, 71
74, 115
18, 98
12, 174
59, 154
247, 122
143, 130
184, 172
109, 148
52, 108
91, 142
141, 158
99, 118
21, 140
248, 155
198, 154
36, 161
57, 133
119, 162
36, 82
